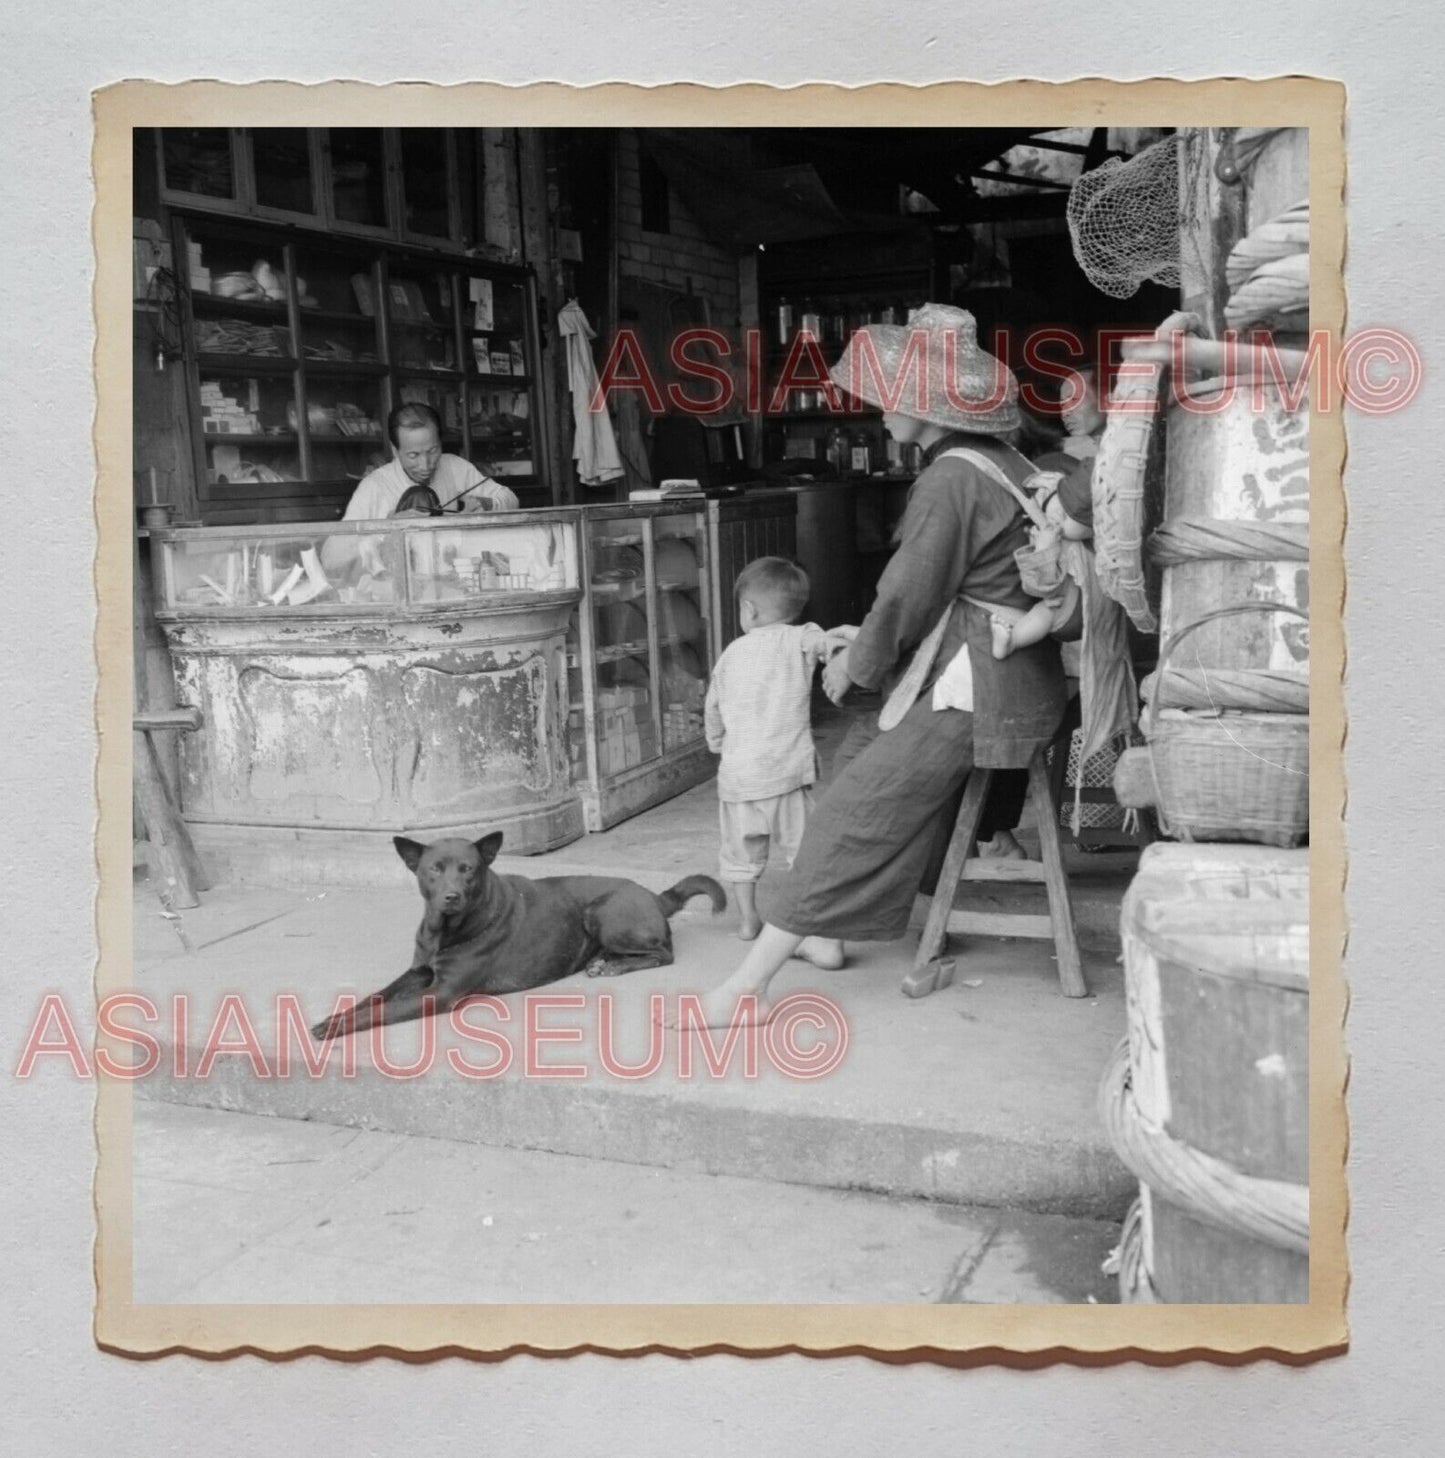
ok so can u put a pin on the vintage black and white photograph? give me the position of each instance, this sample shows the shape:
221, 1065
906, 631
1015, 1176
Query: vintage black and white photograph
722, 713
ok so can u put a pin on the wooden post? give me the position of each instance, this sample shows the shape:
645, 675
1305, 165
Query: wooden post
170, 865
1211, 222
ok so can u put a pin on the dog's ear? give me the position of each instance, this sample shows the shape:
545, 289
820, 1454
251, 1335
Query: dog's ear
409, 850
488, 846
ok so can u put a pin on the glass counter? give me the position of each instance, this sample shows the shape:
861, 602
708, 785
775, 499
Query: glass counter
638, 658
359, 680
345, 567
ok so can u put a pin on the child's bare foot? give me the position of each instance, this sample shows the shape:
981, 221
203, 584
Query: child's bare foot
749, 922
1003, 636
824, 952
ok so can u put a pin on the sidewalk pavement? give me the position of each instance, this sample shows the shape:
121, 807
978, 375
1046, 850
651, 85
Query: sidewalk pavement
982, 1093
235, 1208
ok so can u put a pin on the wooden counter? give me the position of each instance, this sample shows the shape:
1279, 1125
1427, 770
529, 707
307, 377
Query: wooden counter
330, 726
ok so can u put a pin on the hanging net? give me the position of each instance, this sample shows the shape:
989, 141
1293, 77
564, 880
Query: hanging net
1124, 219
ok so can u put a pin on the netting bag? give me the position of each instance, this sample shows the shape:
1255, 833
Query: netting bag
1124, 220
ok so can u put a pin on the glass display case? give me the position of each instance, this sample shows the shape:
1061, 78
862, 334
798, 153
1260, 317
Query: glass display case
356, 159
483, 558
414, 184
638, 659
283, 170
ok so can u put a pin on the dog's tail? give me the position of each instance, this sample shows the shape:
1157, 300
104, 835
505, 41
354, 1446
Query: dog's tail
676, 897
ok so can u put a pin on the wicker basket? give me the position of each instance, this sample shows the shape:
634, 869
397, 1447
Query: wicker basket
1228, 775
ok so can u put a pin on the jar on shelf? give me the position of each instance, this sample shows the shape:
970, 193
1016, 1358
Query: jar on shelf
810, 321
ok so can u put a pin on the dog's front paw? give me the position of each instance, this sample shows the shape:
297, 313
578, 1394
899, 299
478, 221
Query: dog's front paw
597, 967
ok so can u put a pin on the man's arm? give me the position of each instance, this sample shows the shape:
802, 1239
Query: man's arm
485, 494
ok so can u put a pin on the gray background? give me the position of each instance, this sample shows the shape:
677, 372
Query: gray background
1383, 1398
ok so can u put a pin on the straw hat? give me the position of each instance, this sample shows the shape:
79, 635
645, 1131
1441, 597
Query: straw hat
946, 377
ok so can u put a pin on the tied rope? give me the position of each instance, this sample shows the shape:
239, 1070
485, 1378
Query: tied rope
1202, 539
1274, 1211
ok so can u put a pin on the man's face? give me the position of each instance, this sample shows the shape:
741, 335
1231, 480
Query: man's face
419, 449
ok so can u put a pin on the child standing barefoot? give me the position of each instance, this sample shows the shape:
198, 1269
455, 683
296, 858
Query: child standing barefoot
757, 717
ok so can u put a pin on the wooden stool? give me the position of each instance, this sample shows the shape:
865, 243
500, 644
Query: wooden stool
175, 868
932, 971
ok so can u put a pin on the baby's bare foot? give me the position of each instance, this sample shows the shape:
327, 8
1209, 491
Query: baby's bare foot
1003, 637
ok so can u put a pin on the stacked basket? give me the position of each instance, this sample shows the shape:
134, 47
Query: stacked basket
1227, 721
1205, 538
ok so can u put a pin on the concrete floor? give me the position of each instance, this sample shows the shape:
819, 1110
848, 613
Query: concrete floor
235, 1208
953, 1154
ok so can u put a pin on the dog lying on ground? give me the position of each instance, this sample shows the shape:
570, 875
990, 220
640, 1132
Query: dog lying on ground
485, 933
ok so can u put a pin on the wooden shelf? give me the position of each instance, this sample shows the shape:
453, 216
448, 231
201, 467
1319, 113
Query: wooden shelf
226, 437
336, 316
246, 364
516, 382
402, 353
211, 305
423, 372
341, 368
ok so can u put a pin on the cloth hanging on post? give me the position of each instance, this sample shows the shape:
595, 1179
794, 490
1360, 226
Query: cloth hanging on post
594, 447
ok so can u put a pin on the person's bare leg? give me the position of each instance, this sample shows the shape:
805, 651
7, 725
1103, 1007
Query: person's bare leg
728, 1004
749, 923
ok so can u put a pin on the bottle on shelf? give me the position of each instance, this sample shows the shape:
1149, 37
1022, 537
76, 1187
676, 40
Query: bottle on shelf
835, 324
838, 451
810, 322
860, 454
784, 321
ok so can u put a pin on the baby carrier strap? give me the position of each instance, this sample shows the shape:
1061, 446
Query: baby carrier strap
995, 472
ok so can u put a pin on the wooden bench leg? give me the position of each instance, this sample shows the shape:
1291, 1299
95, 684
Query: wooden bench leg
1061, 912
173, 858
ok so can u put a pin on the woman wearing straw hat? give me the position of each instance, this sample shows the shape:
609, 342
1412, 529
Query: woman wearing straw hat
869, 842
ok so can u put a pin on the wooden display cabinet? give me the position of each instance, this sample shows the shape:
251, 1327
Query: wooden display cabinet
638, 656
296, 345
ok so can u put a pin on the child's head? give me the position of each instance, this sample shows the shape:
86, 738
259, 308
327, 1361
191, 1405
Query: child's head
770, 590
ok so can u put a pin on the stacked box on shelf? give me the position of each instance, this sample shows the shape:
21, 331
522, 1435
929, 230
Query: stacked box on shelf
625, 731
200, 274
223, 414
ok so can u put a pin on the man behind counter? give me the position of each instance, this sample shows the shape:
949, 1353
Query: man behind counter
417, 460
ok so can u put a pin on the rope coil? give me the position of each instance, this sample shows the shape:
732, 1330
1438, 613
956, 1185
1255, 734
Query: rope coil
1274, 1211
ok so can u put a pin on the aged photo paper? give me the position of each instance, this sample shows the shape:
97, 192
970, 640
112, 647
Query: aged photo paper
136, 1316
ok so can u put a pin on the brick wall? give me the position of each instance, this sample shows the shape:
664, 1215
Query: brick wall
671, 259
